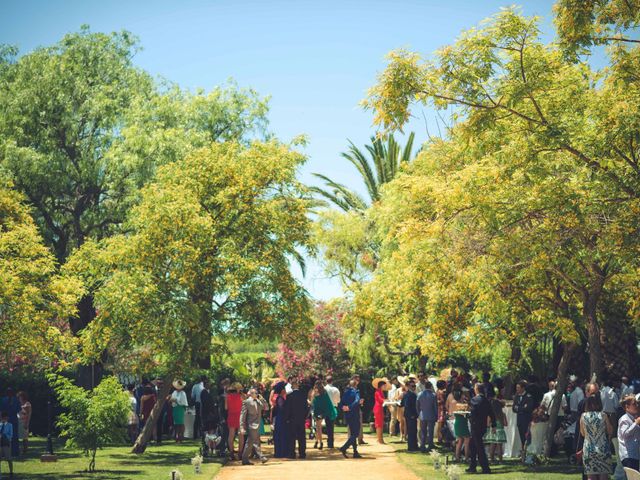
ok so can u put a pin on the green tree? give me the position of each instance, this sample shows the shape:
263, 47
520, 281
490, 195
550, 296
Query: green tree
207, 250
83, 130
34, 301
92, 419
582, 24
519, 97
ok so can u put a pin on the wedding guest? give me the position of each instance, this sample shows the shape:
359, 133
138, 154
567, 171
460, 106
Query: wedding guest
296, 412
427, 404
179, 406
24, 419
481, 415
350, 404
250, 417
629, 433
133, 420
6, 438
233, 406
441, 398
378, 410
323, 409
280, 431
393, 407
596, 430
499, 436
460, 425
147, 402
196, 391
11, 405
523, 406
409, 402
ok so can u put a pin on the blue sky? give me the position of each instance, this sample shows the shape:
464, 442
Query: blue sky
315, 58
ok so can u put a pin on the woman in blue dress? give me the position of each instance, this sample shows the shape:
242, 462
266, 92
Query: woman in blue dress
280, 436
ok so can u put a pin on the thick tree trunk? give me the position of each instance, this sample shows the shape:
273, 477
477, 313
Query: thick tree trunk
562, 379
145, 435
88, 375
509, 379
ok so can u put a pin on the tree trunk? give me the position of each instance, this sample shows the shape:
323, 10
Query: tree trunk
509, 379
141, 442
561, 386
596, 360
88, 375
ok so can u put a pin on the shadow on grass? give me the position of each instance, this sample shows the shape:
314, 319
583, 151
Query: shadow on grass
97, 475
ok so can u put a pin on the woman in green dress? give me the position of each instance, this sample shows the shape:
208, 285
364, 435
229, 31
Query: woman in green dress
323, 408
460, 427
179, 405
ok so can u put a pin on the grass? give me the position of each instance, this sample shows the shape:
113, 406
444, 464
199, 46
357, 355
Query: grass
422, 465
112, 463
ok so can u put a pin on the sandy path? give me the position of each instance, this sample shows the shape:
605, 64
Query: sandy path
379, 463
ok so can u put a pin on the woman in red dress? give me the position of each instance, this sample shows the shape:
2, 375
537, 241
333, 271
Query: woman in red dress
233, 405
378, 409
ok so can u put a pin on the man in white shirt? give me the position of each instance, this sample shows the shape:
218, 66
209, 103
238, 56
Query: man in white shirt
577, 395
196, 391
609, 399
629, 434
547, 400
334, 395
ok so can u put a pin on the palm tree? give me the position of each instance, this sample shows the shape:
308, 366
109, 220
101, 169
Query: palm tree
383, 164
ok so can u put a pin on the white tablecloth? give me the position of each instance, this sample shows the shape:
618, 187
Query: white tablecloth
513, 447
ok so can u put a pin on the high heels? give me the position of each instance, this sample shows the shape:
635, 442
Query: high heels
315, 445
320, 447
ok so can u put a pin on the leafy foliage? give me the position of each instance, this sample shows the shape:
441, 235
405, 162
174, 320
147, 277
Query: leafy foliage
208, 250
92, 419
34, 300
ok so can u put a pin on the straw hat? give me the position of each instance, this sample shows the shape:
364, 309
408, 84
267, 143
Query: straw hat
412, 376
179, 384
377, 381
402, 380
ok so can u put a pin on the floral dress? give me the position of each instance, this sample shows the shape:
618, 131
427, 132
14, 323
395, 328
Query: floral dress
596, 452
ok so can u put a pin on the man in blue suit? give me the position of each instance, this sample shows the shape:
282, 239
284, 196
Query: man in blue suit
350, 405
410, 403
428, 415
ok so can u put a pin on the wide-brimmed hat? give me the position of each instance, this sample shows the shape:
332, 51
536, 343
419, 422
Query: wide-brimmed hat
412, 376
402, 380
377, 381
179, 384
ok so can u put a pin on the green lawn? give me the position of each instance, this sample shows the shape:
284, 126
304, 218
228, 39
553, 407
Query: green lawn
422, 465
113, 463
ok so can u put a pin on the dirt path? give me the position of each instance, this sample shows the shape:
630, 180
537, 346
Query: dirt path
379, 463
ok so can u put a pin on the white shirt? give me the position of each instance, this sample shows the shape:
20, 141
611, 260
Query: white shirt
288, 388
609, 400
628, 437
547, 399
334, 393
196, 391
576, 397
392, 394
178, 397
419, 388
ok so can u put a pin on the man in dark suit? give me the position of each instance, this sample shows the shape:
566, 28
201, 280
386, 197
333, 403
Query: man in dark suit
350, 404
481, 410
410, 404
523, 405
296, 409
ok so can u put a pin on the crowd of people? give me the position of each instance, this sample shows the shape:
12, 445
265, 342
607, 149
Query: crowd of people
458, 410
15, 416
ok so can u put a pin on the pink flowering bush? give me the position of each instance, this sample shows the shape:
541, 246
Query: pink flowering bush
326, 352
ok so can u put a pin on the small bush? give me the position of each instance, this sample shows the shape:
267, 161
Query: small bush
94, 418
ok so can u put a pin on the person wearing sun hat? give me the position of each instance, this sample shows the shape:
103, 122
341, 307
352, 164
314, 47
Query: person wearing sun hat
179, 404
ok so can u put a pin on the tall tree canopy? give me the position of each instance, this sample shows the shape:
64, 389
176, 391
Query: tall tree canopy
545, 160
